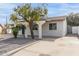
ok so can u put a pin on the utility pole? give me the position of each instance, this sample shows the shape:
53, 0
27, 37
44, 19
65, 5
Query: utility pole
6, 21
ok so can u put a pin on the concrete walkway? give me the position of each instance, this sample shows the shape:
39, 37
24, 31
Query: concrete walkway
65, 46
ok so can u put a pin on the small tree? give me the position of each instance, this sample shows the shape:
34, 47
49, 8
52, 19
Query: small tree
29, 14
73, 19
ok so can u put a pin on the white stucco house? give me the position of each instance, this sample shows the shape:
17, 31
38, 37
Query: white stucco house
50, 27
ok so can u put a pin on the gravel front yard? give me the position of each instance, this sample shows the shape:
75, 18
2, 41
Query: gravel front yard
65, 46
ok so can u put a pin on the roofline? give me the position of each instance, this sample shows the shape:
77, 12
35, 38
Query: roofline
54, 20
60, 18
57, 16
51, 19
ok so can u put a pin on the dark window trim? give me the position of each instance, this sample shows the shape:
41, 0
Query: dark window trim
52, 26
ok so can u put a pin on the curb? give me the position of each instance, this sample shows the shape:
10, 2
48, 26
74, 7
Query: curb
18, 49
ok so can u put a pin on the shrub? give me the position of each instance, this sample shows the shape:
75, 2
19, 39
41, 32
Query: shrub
15, 31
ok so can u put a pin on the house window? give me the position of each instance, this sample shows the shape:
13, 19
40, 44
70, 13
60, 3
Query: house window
52, 26
35, 27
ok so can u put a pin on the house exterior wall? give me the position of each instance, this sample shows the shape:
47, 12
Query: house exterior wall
28, 31
36, 33
64, 27
61, 29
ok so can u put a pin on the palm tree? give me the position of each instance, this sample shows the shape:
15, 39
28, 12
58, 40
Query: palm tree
14, 18
29, 14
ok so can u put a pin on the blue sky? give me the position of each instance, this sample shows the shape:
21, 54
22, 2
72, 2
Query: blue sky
54, 9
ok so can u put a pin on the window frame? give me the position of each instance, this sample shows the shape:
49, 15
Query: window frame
52, 26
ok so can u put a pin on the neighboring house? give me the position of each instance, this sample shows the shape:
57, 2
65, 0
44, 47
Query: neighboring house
9, 28
1, 29
50, 27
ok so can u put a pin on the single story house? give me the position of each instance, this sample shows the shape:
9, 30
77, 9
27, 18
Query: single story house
50, 27
1, 29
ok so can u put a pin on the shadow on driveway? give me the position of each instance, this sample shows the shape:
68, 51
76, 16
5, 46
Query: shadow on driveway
12, 43
19, 41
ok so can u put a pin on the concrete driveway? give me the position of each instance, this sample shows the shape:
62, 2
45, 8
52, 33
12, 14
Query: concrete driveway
65, 46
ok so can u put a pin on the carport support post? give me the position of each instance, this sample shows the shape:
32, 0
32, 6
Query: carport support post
40, 31
40, 23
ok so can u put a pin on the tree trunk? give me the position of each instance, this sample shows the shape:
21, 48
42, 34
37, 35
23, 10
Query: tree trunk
31, 29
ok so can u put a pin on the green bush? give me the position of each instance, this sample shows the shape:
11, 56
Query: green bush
15, 31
